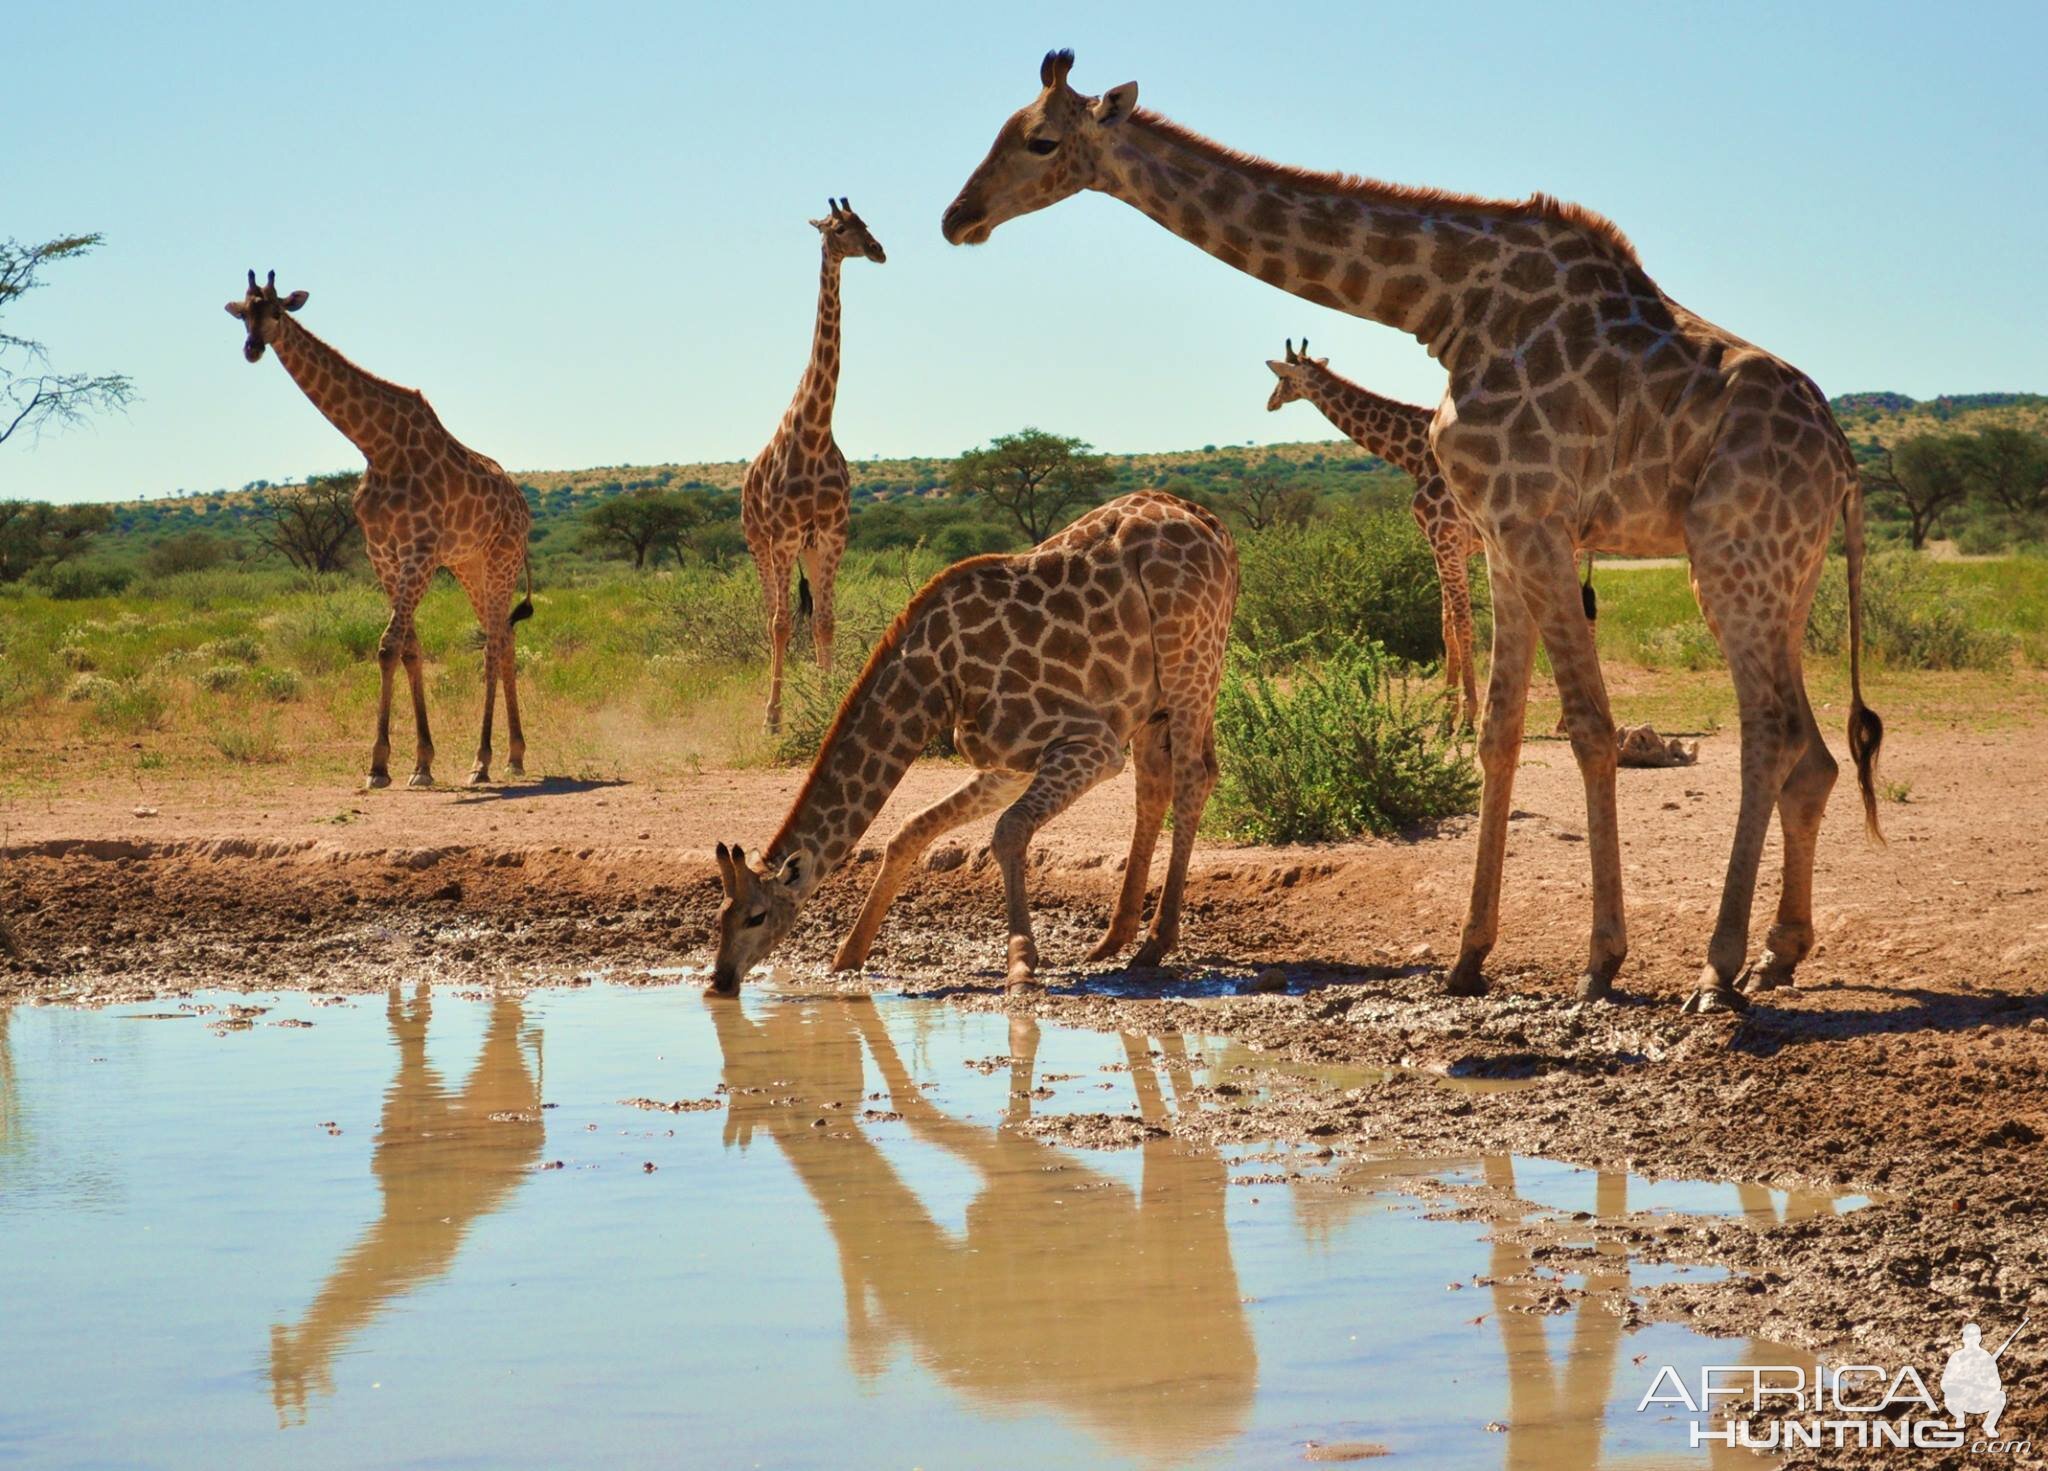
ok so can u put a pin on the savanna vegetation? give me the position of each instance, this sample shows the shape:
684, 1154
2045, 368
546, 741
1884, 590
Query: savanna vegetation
237, 630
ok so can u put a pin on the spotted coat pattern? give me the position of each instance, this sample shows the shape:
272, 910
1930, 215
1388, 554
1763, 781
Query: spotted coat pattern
1399, 434
1046, 666
426, 501
795, 498
1585, 409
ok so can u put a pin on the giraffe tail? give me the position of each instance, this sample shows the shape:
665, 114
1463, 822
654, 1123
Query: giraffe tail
1587, 599
525, 608
803, 594
1866, 731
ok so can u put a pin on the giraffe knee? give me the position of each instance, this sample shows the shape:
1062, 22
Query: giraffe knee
1592, 737
1011, 837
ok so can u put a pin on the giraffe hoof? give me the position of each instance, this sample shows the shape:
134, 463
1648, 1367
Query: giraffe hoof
1465, 980
1149, 954
1021, 977
1715, 998
420, 779
1594, 987
515, 767
850, 958
1105, 949
1767, 974
377, 781
478, 778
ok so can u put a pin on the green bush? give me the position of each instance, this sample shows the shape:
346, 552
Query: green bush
1356, 575
331, 627
1332, 750
1687, 645
74, 581
220, 678
248, 744
129, 706
242, 648
280, 686
1910, 620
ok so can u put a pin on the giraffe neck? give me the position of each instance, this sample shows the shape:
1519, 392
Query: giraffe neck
886, 721
1398, 433
369, 410
1409, 258
818, 391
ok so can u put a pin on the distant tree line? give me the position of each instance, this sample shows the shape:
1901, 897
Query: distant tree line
1987, 487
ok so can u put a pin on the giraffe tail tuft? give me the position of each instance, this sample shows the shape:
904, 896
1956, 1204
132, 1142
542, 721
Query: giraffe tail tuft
525, 609
803, 594
1866, 731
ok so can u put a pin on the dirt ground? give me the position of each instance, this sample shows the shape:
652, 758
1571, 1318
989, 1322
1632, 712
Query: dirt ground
1910, 1064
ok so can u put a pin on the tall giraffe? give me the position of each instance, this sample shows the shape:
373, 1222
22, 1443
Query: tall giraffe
426, 501
1399, 434
794, 501
1585, 409
1046, 665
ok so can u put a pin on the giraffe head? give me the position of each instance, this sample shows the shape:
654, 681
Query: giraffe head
1294, 374
1050, 148
846, 234
758, 911
260, 311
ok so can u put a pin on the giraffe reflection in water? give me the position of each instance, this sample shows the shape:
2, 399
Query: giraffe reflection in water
1067, 1290
442, 1161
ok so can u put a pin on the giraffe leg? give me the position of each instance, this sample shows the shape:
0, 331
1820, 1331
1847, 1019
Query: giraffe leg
491, 599
1065, 771
1757, 642
1801, 804
1455, 593
821, 564
404, 585
980, 795
1149, 747
416, 678
1548, 580
1500, 745
515, 734
774, 570
1193, 749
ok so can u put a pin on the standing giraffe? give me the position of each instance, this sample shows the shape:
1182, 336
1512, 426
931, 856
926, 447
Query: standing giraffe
1585, 409
794, 501
1046, 664
426, 501
1399, 434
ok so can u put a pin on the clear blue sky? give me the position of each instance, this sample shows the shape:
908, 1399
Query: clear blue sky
580, 229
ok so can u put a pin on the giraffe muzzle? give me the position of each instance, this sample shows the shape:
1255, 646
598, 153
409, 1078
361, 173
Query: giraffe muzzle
963, 224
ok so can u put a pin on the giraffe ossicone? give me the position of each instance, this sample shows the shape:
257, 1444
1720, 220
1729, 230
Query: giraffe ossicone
796, 497
1046, 666
1585, 410
426, 501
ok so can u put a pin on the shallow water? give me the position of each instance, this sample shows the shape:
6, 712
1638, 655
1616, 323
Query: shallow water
225, 1241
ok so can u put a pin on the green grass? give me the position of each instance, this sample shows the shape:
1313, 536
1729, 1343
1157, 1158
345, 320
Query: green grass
623, 673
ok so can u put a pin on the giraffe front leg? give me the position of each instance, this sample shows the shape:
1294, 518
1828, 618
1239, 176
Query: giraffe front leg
1500, 746
980, 795
405, 585
1065, 771
415, 677
494, 660
380, 749
775, 593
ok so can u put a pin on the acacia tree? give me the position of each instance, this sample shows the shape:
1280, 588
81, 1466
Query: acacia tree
639, 523
1260, 498
35, 534
2008, 467
1926, 475
312, 526
1034, 478
32, 397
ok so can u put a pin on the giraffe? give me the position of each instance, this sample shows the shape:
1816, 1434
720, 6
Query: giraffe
794, 500
426, 501
1585, 409
1399, 434
1046, 664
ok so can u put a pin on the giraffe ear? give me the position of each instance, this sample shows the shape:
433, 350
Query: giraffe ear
238, 309
1116, 104
296, 300
792, 872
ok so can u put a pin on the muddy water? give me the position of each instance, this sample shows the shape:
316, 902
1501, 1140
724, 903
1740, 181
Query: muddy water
428, 1231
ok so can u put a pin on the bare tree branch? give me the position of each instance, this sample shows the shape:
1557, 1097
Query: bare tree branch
35, 401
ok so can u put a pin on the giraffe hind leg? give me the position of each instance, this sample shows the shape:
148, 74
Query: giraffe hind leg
1150, 749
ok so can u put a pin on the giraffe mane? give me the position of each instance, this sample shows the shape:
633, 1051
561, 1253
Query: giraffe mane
1603, 232
870, 672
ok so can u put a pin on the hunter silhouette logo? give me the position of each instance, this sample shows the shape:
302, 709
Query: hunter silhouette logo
1969, 1381
1861, 1405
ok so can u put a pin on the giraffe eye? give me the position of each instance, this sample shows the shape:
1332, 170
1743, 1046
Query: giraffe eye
1043, 146
754, 921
